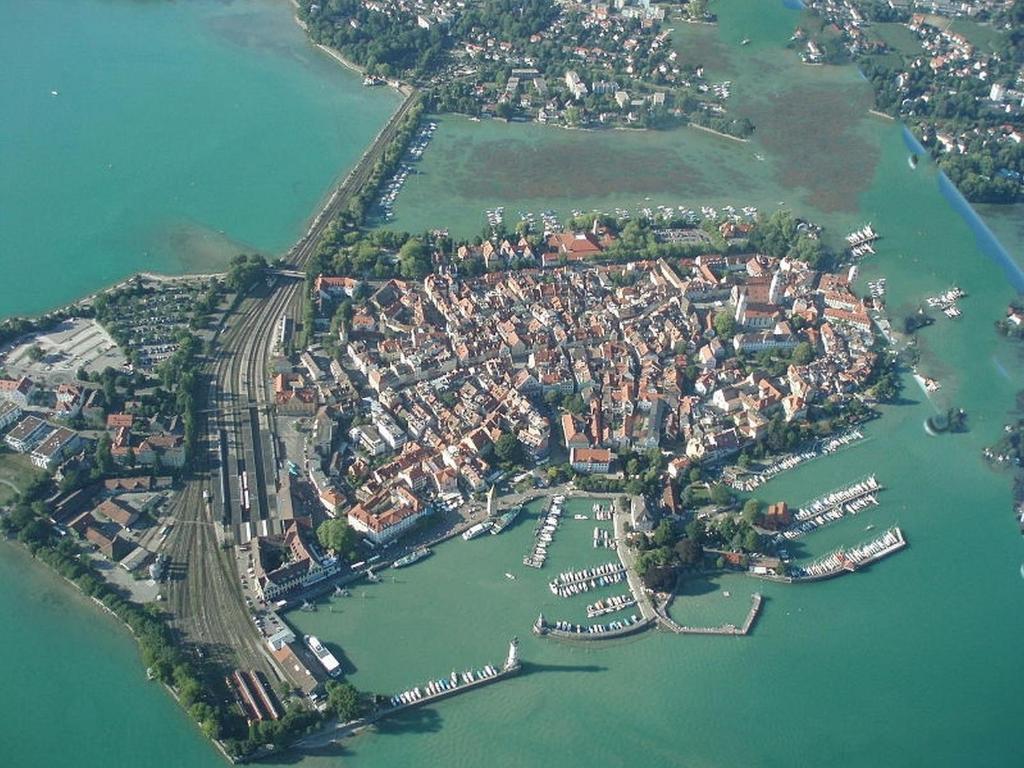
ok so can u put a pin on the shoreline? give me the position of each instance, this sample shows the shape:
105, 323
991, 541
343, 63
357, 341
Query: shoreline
87, 299
400, 87
117, 623
717, 133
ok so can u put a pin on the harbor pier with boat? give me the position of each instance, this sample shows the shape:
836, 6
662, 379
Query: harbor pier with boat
420, 695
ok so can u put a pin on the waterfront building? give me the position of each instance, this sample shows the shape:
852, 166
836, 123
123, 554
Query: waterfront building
303, 567
588, 460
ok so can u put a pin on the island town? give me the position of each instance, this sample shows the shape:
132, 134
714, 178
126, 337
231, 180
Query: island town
655, 366
202, 456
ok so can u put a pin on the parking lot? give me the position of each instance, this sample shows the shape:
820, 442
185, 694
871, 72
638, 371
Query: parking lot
74, 344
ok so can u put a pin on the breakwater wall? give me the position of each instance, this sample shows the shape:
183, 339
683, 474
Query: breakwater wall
756, 601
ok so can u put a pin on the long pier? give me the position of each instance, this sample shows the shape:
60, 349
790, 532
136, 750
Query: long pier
337, 730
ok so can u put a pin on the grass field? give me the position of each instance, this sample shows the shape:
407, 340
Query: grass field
16, 471
898, 37
985, 37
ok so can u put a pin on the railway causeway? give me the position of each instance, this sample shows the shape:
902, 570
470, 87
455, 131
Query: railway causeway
233, 494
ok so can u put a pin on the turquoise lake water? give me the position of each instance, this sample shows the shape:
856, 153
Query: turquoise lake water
181, 134
915, 661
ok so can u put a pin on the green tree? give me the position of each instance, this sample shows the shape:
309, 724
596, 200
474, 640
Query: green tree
336, 534
720, 494
725, 325
751, 509
508, 449
414, 259
689, 552
751, 540
343, 700
244, 271
664, 535
104, 460
803, 353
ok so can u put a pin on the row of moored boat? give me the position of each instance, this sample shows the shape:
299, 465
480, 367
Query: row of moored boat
596, 629
831, 445
603, 538
831, 515
439, 686
545, 534
850, 559
610, 605
838, 498
576, 582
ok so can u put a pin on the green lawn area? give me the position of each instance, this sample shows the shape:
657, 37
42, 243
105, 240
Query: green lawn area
898, 37
984, 37
16, 471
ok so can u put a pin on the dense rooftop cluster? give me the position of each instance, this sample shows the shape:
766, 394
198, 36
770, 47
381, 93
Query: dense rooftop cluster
702, 354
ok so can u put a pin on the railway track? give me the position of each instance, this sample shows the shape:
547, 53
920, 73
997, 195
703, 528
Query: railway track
204, 593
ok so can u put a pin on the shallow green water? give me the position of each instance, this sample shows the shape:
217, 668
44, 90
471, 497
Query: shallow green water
914, 662
181, 134
815, 147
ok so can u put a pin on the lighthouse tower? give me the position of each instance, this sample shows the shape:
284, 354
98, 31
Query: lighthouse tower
512, 662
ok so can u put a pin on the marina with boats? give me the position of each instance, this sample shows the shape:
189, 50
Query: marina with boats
861, 241
571, 583
393, 186
610, 605
456, 682
569, 630
834, 506
946, 302
848, 560
603, 538
750, 482
838, 497
544, 534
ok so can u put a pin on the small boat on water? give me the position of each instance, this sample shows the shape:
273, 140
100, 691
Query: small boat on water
372, 577
745, 41
912, 161
510, 576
